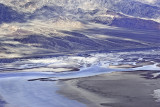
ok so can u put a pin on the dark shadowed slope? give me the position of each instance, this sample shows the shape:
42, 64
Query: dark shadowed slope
8, 15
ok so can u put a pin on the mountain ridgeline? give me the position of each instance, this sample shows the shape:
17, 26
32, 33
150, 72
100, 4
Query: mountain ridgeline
121, 13
39, 27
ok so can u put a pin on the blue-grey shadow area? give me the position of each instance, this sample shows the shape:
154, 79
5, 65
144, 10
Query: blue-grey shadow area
2, 103
135, 23
76, 34
8, 15
78, 41
138, 9
66, 43
149, 36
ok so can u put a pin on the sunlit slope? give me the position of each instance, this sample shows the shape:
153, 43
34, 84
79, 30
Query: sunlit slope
42, 27
138, 8
22, 43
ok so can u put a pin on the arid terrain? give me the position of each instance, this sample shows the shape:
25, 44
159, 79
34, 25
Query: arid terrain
79, 53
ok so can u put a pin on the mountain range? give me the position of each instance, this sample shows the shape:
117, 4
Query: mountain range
39, 27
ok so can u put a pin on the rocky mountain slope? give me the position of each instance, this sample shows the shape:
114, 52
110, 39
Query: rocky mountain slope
39, 27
